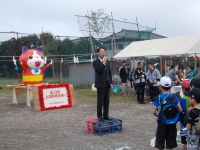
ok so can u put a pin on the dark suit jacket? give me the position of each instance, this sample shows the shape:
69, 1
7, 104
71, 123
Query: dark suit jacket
123, 75
102, 74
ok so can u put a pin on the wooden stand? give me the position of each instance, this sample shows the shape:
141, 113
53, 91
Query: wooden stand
32, 94
18, 90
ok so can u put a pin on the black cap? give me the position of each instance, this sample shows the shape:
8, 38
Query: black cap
195, 93
195, 82
124, 61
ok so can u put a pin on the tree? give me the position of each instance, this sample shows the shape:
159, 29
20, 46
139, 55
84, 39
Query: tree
98, 23
46, 38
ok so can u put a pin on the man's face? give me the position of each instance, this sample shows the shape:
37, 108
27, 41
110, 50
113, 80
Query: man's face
124, 64
101, 53
126, 67
150, 66
191, 100
140, 65
180, 70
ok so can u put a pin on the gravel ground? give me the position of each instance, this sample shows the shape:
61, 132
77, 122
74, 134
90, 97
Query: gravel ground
21, 128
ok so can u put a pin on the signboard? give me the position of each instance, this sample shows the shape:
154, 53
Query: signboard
54, 96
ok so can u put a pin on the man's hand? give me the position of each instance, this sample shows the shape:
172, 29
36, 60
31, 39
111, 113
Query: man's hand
111, 86
104, 60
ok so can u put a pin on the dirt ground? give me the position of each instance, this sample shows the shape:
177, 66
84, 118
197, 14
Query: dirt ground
21, 128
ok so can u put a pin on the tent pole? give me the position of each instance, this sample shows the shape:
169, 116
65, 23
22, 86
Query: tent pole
165, 66
132, 64
195, 62
161, 65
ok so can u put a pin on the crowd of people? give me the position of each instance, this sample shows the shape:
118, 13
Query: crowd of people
142, 81
169, 108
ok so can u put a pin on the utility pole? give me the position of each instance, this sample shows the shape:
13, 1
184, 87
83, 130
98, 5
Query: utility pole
138, 30
114, 36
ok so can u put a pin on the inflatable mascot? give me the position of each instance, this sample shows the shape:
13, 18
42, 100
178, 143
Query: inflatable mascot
32, 62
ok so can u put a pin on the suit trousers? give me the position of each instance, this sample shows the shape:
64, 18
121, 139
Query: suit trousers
153, 92
103, 99
140, 93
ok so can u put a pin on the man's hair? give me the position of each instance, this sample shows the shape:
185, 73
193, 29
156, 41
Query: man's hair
126, 64
100, 48
192, 68
197, 100
150, 63
172, 66
166, 88
139, 63
180, 67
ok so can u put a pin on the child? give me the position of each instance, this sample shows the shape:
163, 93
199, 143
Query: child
193, 137
195, 82
185, 104
162, 133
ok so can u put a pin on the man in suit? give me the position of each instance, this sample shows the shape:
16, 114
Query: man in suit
124, 75
103, 83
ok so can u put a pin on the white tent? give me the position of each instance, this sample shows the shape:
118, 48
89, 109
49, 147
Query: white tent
175, 46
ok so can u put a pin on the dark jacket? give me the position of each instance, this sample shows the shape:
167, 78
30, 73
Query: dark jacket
138, 80
124, 75
103, 73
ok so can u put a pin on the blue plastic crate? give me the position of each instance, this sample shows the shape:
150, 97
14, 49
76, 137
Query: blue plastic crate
102, 130
116, 128
103, 124
116, 121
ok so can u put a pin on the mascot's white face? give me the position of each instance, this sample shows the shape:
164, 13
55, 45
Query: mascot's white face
35, 61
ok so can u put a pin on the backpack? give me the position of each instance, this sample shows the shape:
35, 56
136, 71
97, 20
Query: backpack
197, 127
168, 110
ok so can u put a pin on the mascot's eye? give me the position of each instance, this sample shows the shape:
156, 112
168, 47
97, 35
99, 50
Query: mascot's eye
42, 57
30, 57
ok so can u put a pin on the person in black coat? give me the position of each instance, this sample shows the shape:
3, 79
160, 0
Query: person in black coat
140, 80
103, 83
124, 75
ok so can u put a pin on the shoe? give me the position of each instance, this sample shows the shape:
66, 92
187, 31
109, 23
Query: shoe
101, 119
151, 102
143, 103
139, 103
107, 118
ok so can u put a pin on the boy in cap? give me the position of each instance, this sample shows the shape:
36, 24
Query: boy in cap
195, 82
185, 104
193, 136
162, 133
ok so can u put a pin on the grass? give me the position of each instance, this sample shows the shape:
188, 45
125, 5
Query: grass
82, 94
87, 95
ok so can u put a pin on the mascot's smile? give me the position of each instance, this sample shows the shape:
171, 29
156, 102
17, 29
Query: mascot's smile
37, 63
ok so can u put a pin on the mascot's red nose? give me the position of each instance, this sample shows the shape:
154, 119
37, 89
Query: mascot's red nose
37, 63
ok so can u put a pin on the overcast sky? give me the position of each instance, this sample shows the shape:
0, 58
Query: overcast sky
173, 17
